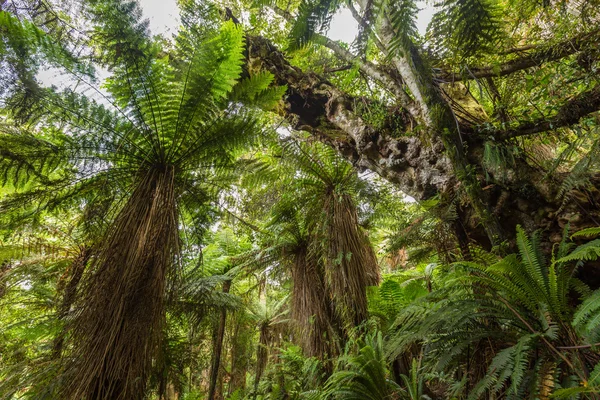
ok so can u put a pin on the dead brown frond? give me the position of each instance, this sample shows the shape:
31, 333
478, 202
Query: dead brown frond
118, 328
310, 307
547, 380
68, 292
351, 264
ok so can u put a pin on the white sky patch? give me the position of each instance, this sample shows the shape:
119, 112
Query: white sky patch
283, 131
164, 19
25, 285
163, 16
424, 16
343, 26
49, 76
409, 199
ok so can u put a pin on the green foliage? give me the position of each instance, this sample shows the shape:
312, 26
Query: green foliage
467, 27
497, 159
580, 175
403, 16
414, 383
532, 299
364, 376
587, 318
586, 252
396, 292
274, 243
313, 16
25, 46
588, 232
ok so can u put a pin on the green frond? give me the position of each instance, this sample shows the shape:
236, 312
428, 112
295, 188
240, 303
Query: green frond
27, 45
579, 177
587, 232
587, 317
467, 27
314, 16
592, 386
586, 252
403, 16
509, 365
530, 256
497, 159
122, 39
367, 376
256, 91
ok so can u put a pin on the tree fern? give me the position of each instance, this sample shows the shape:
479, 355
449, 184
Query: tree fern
467, 26
173, 125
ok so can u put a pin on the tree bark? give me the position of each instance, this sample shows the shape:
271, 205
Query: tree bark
445, 162
239, 356
217, 348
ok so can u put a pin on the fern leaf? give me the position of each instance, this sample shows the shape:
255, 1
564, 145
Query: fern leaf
586, 252
587, 233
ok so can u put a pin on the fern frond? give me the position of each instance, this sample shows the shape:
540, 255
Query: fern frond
467, 26
587, 232
314, 16
586, 252
587, 317
403, 16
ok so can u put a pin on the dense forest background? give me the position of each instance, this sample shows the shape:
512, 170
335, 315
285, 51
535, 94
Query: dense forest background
248, 209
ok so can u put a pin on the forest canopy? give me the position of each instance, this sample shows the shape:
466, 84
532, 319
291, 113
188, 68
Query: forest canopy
246, 208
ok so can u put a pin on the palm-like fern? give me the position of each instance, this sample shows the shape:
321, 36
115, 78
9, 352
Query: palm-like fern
465, 26
329, 258
328, 187
171, 129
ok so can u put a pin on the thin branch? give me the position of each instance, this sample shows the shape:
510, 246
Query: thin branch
569, 114
328, 70
372, 71
558, 51
365, 25
583, 346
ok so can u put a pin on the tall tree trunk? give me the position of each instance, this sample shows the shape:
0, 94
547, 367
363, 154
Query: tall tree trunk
239, 356
217, 348
262, 356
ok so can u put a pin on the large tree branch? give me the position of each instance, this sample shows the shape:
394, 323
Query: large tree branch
367, 67
419, 166
373, 72
569, 114
556, 52
315, 105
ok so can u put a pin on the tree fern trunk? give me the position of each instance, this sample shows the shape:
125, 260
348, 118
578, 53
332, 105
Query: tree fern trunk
118, 331
69, 294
